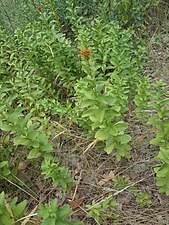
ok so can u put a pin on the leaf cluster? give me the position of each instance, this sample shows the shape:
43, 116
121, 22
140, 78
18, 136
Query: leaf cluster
152, 98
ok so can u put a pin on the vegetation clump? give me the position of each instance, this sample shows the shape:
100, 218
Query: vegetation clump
72, 69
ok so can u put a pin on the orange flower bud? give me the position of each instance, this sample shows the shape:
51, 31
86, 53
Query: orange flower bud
85, 53
39, 8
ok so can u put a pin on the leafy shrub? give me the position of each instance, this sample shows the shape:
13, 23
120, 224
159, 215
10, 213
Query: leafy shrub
110, 62
102, 210
27, 101
127, 12
48, 51
17, 13
153, 98
11, 212
56, 216
93, 76
22, 130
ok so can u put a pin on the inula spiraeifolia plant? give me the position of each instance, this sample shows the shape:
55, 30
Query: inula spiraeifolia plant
111, 66
90, 76
152, 100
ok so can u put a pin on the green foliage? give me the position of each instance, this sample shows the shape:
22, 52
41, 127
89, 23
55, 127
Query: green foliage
48, 51
161, 124
16, 13
143, 199
60, 175
122, 184
126, 12
111, 71
90, 75
23, 131
26, 102
157, 104
142, 97
4, 165
11, 212
105, 209
102, 210
56, 216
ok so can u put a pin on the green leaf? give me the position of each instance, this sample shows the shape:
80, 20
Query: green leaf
13, 202
95, 115
64, 212
19, 209
3, 163
87, 112
88, 102
46, 147
23, 121
163, 171
160, 181
154, 120
42, 138
11, 98
32, 134
156, 141
121, 126
34, 153
21, 140
110, 145
95, 125
6, 127
101, 134
123, 138
165, 101
35, 144
100, 114
2, 199
7, 219
13, 118
6, 139
166, 113
116, 108
122, 151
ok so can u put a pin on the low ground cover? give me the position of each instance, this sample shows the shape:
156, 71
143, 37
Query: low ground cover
84, 114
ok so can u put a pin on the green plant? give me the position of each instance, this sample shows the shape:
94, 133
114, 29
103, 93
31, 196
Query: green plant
16, 13
142, 97
143, 199
157, 106
111, 66
49, 52
25, 134
161, 124
126, 12
4, 165
122, 184
102, 210
59, 174
11, 212
91, 76
53, 215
